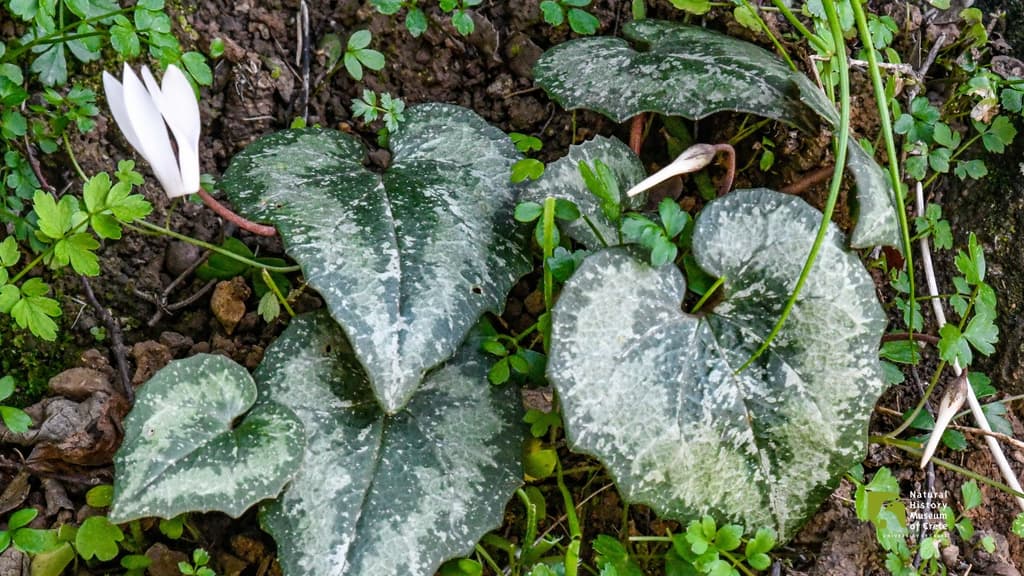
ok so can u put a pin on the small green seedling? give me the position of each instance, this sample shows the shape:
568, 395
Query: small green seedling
416, 19
717, 551
663, 240
556, 12
527, 212
15, 419
198, 566
602, 183
527, 168
25, 539
359, 54
389, 108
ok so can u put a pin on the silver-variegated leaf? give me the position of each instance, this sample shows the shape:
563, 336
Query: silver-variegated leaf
380, 494
183, 452
408, 261
677, 70
562, 180
874, 205
689, 71
655, 393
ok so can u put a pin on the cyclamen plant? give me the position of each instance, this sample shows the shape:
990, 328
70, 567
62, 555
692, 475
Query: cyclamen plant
376, 415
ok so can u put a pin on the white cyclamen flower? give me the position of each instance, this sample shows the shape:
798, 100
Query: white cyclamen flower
694, 158
145, 112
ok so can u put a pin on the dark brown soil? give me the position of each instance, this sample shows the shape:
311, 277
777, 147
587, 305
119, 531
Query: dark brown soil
257, 89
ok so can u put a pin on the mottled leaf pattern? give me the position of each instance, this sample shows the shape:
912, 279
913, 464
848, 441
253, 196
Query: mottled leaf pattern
654, 392
874, 205
182, 451
562, 180
676, 70
382, 494
407, 263
693, 72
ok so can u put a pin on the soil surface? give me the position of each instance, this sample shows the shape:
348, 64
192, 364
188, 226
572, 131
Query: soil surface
164, 311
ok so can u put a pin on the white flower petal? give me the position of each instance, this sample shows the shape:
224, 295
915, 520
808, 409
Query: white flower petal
692, 159
180, 108
115, 98
177, 103
154, 141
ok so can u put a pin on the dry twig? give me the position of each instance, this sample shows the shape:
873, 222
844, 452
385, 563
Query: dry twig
940, 316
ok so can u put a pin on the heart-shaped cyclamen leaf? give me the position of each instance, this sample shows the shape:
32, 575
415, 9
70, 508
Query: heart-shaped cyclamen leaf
380, 494
680, 70
655, 394
677, 70
562, 180
182, 451
407, 263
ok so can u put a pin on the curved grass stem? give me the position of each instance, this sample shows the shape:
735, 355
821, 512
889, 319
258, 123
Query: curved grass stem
837, 178
885, 119
144, 227
818, 43
764, 26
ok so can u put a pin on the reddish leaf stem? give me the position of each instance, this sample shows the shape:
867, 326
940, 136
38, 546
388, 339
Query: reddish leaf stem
226, 213
636, 133
730, 167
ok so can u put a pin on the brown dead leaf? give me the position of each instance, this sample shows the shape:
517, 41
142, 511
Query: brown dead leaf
15, 493
79, 434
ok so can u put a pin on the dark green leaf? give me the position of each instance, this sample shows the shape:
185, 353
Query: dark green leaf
407, 263
435, 476
684, 71
222, 267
